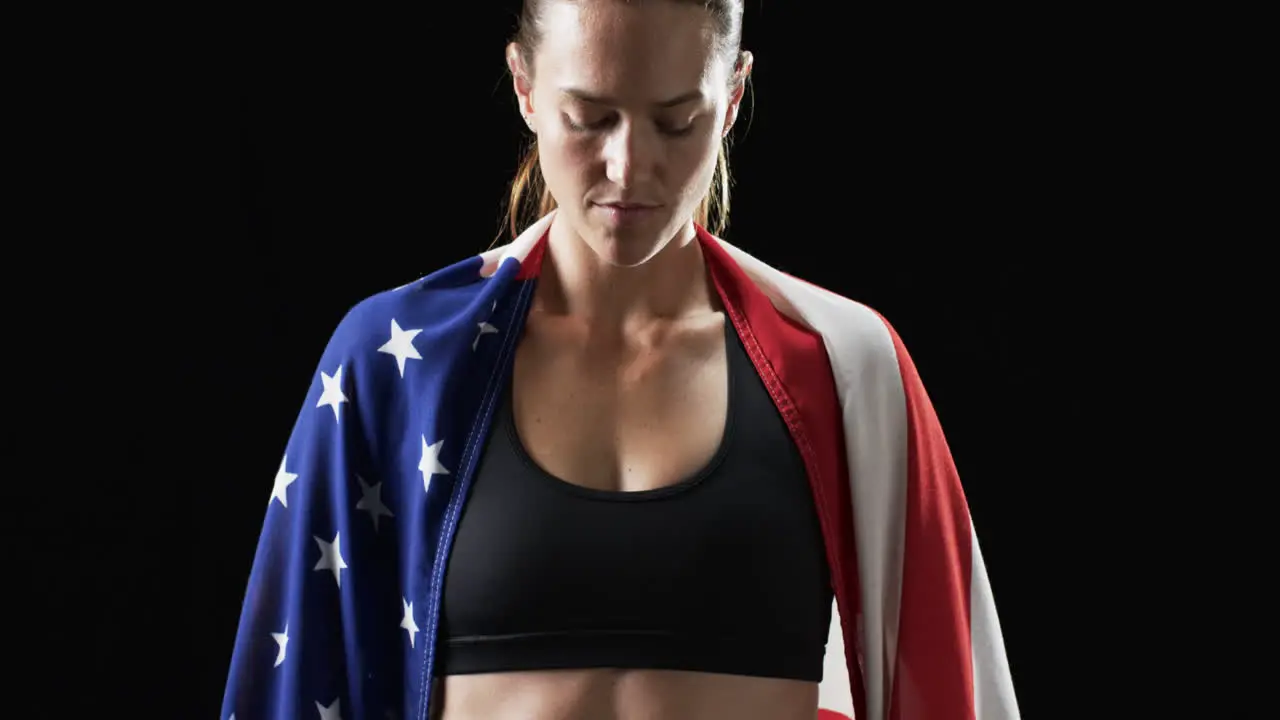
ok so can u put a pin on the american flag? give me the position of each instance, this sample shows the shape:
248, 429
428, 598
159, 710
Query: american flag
342, 607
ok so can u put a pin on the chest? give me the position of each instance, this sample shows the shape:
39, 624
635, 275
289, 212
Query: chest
624, 415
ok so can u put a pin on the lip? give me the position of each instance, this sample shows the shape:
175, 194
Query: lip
627, 206
625, 213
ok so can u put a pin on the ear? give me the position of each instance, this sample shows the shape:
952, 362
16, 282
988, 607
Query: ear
737, 88
521, 82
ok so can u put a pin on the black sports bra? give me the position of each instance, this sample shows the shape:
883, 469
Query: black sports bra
723, 572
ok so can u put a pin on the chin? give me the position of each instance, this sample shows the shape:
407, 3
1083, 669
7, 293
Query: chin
622, 251
628, 244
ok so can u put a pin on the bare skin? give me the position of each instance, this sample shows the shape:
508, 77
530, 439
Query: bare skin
627, 695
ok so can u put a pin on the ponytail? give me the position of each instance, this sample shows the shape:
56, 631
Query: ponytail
529, 198
713, 211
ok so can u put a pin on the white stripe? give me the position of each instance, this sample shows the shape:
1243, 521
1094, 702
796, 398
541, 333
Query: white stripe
993, 697
517, 249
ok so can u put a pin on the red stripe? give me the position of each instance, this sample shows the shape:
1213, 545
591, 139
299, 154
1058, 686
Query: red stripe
792, 362
933, 676
531, 266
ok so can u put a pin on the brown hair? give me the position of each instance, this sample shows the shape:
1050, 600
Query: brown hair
530, 198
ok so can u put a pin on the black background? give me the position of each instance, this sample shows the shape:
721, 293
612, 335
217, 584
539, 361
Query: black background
956, 172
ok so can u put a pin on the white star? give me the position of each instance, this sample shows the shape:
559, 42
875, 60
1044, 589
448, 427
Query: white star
283, 479
331, 557
333, 712
407, 623
430, 463
282, 639
485, 328
332, 394
372, 501
401, 345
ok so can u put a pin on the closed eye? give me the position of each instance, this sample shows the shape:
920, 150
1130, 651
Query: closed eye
586, 127
604, 123
676, 131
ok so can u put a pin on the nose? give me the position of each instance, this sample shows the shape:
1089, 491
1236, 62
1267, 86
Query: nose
630, 155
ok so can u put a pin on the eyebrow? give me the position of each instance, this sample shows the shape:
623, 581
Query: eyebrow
602, 100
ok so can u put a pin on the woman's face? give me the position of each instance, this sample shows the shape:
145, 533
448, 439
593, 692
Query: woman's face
630, 102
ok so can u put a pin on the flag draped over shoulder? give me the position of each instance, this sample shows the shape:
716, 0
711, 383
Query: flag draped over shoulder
342, 606
918, 621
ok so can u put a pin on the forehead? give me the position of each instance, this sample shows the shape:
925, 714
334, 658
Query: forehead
638, 51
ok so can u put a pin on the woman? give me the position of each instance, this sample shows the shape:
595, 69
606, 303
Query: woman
618, 468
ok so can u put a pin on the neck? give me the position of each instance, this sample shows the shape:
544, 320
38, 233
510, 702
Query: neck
577, 282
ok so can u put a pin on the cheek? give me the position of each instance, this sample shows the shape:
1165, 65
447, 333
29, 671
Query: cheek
696, 161
567, 156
